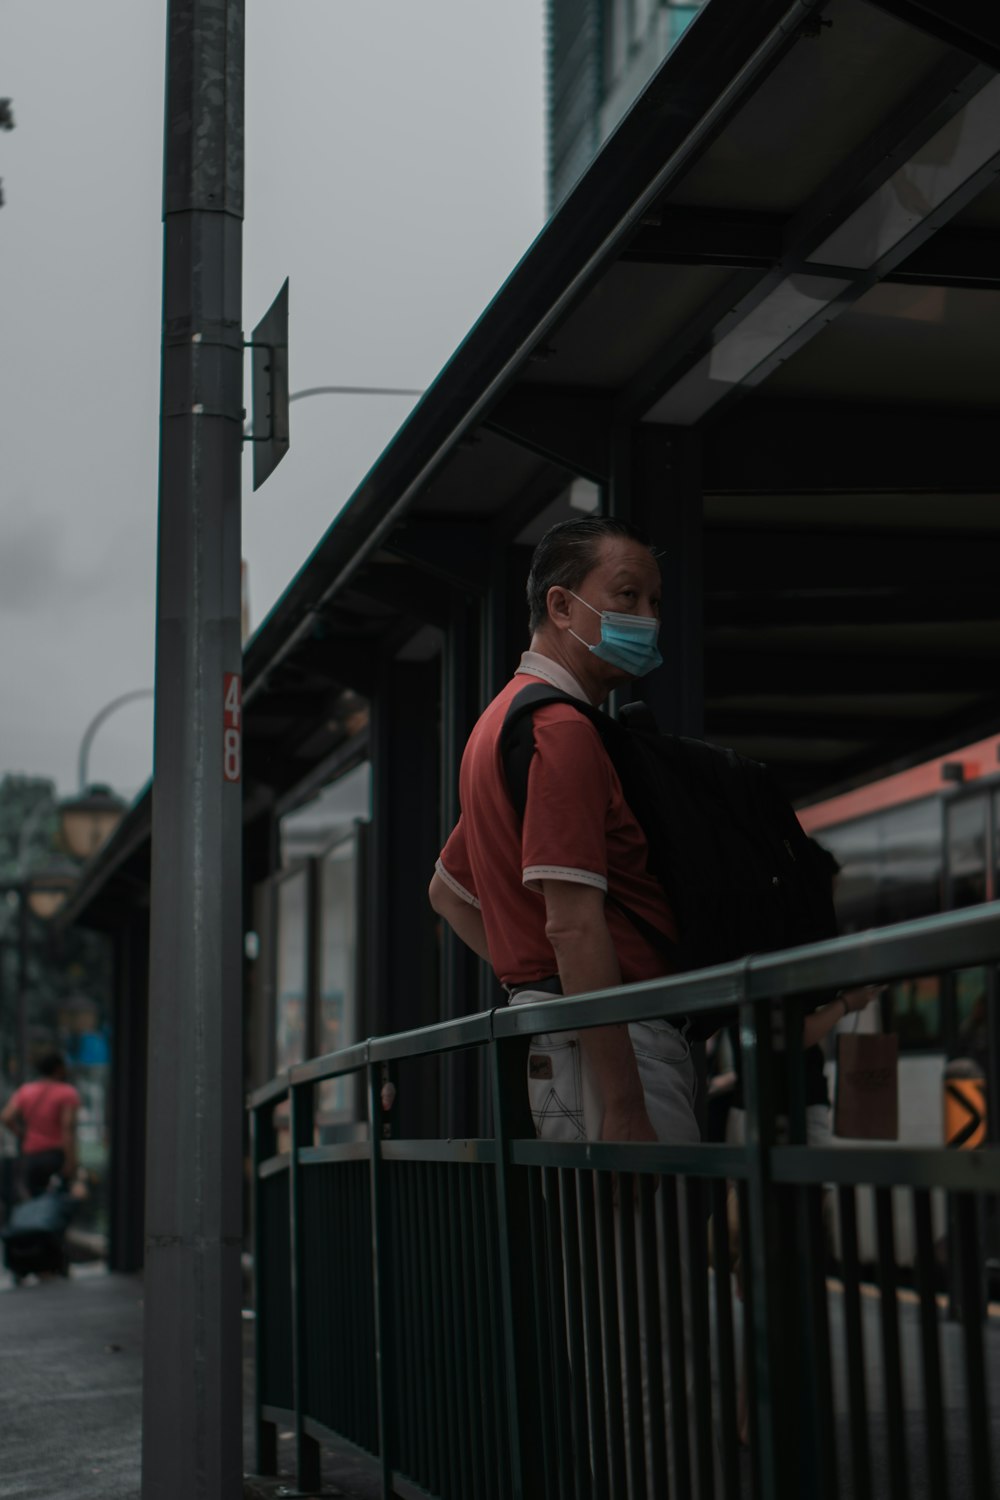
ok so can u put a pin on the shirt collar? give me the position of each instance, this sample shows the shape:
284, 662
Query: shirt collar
534, 664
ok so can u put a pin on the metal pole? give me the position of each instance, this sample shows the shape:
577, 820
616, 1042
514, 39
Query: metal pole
22, 983
191, 1394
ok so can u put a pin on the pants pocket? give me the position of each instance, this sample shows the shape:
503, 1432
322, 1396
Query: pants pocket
555, 1088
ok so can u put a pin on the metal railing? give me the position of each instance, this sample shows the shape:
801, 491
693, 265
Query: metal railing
505, 1317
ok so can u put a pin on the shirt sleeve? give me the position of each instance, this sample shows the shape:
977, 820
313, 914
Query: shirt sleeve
454, 867
564, 834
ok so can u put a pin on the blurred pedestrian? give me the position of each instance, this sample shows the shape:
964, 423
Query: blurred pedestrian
42, 1114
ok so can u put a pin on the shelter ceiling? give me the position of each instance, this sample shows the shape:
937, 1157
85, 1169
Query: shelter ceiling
631, 314
818, 106
852, 540
854, 513
903, 343
482, 474
984, 212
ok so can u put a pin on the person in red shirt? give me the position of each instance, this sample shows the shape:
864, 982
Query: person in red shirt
531, 896
43, 1115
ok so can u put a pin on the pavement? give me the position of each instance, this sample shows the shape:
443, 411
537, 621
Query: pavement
71, 1397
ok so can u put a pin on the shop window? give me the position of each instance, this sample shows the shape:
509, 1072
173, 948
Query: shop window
912, 1009
971, 1024
890, 866
291, 988
337, 1098
966, 850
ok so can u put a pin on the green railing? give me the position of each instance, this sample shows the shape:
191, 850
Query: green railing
480, 1316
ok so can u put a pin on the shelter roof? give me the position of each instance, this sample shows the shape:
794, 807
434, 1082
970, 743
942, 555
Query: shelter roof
789, 243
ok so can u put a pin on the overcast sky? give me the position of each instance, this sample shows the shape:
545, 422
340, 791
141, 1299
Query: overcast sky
395, 171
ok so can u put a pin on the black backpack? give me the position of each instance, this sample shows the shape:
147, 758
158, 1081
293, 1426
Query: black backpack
739, 872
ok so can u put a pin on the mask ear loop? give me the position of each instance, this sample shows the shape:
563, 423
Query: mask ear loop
594, 611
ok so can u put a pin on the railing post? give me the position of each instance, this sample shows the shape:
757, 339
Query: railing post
804, 1218
378, 1128
307, 1450
511, 1117
261, 1147
765, 1285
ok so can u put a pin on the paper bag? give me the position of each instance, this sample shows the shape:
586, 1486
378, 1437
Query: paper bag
867, 1101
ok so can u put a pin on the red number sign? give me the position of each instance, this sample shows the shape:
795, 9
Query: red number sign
232, 726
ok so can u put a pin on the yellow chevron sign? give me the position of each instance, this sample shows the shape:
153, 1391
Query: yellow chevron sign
965, 1113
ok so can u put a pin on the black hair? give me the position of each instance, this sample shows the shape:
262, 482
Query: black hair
566, 554
50, 1062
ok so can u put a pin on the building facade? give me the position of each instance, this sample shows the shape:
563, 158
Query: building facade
602, 53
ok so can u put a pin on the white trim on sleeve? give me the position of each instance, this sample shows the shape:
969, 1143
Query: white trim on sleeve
535, 874
453, 885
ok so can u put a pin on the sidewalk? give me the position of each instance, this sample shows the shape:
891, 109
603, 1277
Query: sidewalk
71, 1395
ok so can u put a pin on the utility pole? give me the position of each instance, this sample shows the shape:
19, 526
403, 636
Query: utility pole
191, 1397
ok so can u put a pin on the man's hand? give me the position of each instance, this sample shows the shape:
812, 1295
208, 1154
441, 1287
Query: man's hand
577, 928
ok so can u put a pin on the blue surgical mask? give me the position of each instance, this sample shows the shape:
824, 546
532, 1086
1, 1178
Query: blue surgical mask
627, 641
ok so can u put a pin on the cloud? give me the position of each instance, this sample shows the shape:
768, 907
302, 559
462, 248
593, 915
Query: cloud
31, 570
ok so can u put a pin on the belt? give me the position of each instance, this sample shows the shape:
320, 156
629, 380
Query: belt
548, 986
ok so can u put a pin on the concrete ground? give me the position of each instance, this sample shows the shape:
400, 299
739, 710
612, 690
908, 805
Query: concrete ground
71, 1395
71, 1378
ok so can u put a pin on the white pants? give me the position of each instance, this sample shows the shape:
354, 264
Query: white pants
566, 1106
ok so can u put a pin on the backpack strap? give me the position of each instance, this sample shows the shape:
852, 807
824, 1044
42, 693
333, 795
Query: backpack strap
517, 746
517, 736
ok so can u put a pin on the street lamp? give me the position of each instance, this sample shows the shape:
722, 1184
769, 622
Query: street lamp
89, 819
41, 893
49, 888
343, 390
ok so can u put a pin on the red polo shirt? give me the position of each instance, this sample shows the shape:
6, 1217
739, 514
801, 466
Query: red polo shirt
577, 827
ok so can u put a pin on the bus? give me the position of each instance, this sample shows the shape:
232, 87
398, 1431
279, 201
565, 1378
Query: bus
919, 841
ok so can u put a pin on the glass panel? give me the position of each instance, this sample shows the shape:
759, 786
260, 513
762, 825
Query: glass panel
333, 812
966, 822
290, 1002
338, 974
855, 847
890, 865
912, 1009
970, 1017
910, 863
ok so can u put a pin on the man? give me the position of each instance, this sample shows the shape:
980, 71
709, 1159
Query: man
530, 896
43, 1115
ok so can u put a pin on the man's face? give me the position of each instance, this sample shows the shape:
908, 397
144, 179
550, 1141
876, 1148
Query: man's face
625, 580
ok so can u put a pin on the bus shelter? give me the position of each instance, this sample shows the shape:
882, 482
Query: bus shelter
763, 325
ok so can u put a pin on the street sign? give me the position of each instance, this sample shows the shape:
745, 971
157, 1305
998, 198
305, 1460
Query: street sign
269, 388
965, 1113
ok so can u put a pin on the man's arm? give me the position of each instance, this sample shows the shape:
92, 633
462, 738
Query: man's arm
462, 917
577, 929
819, 1023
